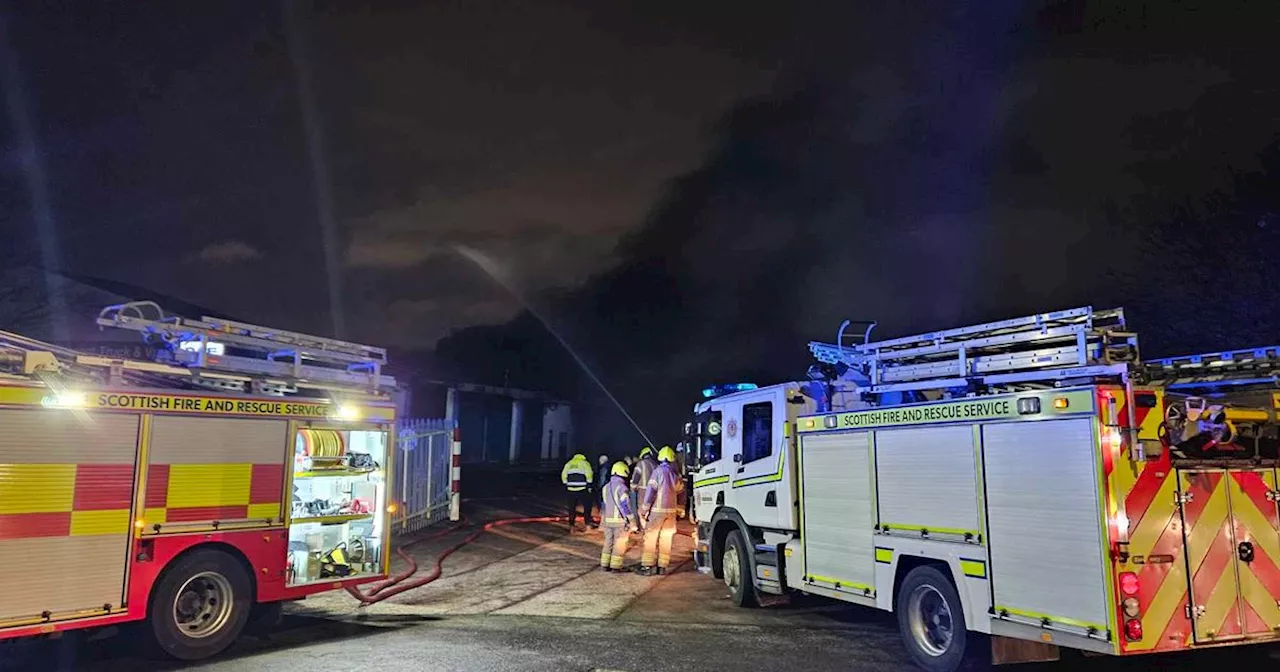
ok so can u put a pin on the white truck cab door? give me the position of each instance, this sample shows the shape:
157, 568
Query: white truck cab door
755, 447
711, 479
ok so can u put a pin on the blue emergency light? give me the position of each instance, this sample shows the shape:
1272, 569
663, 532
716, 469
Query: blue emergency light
730, 388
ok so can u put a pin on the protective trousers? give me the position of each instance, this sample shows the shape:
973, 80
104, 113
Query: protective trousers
614, 549
636, 496
659, 531
579, 498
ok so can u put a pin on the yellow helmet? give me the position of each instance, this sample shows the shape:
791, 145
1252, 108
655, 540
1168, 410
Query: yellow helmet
620, 469
666, 454
647, 450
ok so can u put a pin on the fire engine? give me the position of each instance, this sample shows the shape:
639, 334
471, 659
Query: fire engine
247, 467
1030, 483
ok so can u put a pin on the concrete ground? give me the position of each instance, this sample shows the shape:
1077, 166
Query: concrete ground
530, 597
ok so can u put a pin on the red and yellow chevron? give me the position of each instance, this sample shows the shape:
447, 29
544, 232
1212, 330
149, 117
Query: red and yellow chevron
192, 493
1187, 556
60, 500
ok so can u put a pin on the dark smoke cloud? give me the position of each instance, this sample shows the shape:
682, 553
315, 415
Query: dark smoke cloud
893, 176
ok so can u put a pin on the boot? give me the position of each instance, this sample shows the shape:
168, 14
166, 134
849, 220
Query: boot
661, 571
645, 570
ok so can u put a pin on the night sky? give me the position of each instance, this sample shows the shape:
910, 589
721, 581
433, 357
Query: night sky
690, 190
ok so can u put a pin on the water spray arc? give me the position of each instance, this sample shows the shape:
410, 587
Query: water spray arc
493, 270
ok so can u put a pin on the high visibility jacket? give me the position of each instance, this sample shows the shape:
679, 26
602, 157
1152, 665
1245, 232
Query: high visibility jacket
660, 493
576, 475
617, 503
641, 472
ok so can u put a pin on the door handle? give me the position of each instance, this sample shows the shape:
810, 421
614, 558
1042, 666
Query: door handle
1245, 551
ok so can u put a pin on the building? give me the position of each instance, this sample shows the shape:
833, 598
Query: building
507, 425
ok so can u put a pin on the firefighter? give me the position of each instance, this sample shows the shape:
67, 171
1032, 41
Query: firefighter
640, 474
576, 477
615, 517
602, 479
659, 512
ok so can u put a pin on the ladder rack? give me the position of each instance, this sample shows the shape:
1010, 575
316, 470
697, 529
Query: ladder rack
1229, 368
265, 360
1046, 348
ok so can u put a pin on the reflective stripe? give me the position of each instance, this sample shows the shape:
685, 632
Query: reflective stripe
840, 584
201, 485
714, 480
36, 488
976, 569
87, 523
764, 478
1005, 612
883, 555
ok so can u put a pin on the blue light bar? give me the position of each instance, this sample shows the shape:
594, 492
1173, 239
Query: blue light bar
721, 390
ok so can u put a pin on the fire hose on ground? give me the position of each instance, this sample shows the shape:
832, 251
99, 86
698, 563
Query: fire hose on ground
395, 584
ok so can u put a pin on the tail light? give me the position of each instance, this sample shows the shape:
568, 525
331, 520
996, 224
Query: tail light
1130, 586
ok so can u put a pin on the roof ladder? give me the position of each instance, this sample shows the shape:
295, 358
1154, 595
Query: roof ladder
274, 361
1229, 368
1043, 348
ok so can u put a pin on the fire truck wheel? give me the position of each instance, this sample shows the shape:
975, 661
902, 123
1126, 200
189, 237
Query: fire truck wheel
931, 620
200, 605
737, 571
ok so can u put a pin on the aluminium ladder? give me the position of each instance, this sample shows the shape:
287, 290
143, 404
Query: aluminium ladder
1229, 368
267, 360
1046, 348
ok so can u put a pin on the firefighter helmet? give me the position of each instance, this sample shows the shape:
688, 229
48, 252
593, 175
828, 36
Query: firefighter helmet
666, 454
647, 450
620, 469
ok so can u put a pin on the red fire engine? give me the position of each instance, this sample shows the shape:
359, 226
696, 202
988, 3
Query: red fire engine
247, 467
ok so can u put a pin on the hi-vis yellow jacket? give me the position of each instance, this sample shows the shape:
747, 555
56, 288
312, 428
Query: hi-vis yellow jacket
576, 475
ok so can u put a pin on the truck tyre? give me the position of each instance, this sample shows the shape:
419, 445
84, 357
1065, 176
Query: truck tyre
200, 605
931, 620
737, 571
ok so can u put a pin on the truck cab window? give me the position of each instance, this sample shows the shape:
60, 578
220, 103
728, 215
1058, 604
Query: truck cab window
705, 435
757, 431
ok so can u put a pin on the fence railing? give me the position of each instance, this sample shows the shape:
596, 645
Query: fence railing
425, 486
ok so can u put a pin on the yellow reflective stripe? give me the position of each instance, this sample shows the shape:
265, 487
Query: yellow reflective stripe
37, 488
1001, 610
87, 523
201, 485
884, 555
714, 480
931, 530
974, 568
264, 511
841, 583
763, 478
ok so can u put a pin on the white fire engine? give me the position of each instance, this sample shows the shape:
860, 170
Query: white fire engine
1031, 482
